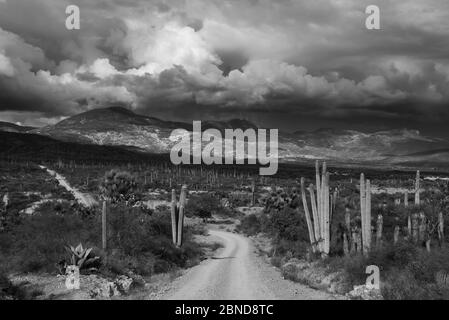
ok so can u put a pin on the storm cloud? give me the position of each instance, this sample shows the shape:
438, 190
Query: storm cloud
311, 60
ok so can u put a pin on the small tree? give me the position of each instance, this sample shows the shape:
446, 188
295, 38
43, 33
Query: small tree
203, 206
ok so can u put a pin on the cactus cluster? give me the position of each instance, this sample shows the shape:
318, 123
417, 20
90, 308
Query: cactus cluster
177, 215
281, 199
319, 227
357, 240
419, 228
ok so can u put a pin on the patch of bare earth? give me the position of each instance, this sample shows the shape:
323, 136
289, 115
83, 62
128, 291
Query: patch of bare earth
298, 274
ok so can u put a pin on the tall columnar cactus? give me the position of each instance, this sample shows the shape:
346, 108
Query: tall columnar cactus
417, 200
357, 241
345, 244
318, 193
308, 218
380, 223
174, 217
415, 227
368, 214
253, 193
422, 227
320, 210
362, 205
348, 239
406, 198
104, 213
316, 220
348, 220
409, 219
334, 197
396, 234
352, 241
326, 212
177, 216
365, 210
441, 228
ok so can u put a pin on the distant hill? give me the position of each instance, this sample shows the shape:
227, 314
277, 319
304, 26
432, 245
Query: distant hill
34, 147
120, 126
116, 126
350, 145
11, 127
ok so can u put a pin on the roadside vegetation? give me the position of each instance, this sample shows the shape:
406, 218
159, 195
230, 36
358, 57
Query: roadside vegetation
408, 270
139, 239
140, 234
139, 242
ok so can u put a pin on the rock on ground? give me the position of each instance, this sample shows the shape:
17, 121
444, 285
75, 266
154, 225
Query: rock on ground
362, 292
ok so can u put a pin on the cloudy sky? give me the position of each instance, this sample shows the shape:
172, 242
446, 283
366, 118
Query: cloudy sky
291, 64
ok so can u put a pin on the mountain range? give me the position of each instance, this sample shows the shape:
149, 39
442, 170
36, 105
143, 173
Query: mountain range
116, 126
11, 127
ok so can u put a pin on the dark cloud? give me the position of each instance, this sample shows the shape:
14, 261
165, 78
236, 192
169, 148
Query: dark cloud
231, 60
162, 7
279, 61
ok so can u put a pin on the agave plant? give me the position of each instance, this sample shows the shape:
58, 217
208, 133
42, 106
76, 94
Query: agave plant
79, 256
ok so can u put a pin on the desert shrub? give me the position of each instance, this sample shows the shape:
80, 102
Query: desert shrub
239, 201
138, 241
250, 225
405, 284
120, 263
4, 281
426, 265
406, 272
199, 229
353, 267
276, 261
9, 291
396, 255
119, 186
203, 206
386, 258
290, 249
37, 243
287, 227
134, 234
288, 224
19, 201
400, 284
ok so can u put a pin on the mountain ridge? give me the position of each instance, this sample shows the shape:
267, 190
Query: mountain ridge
117, 126
12, 127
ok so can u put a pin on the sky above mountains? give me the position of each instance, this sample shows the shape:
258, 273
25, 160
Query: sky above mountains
290, 64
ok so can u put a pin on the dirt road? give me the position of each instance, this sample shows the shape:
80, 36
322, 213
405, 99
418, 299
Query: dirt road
237, 273
85, 199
